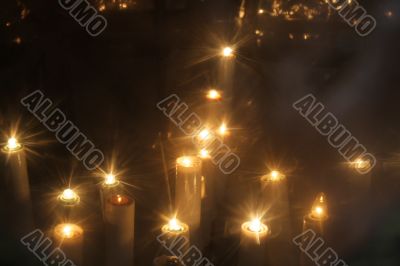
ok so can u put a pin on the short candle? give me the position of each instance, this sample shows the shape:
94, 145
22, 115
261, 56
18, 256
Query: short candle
68, 231
68, 196
110, 181
319, 210
12, 145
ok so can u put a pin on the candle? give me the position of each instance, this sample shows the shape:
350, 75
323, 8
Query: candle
214, 106
69, 238
67, 201
188, 193
16, 171
227, 52
119, 228
175, 234
254, 235
208, 205
109, 186
226, 74
318, 215
17, 184
359, 184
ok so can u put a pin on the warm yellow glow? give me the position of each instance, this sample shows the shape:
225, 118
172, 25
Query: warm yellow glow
110, 179
319, 210
214, 94
185, 161
255, 225
227, 52
174, 225
13, 144
261, 11
68, 231
102, 7
361, 164
389, 14
123, 5
204, 154
204, 134
68, 196
223, 130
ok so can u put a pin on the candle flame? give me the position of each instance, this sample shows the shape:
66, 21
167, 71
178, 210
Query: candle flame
214, 95
185, 161
361, 164
68, 194
110, 179
204, 134
319, 209
227, 52
67, 231
255, 225
223, 130
13, 144
119, 198
174, 225
204, 154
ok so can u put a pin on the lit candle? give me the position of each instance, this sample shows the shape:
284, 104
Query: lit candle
318, 214
109, 186
120, 230
274, 193
226, 75
69, 238
17, 183
188, 193
16, 170
227, 52
68, 200
174, 230
254, 235
214, 106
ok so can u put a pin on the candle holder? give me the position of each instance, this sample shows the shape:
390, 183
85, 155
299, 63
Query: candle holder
67, 207
171, 232
318, 215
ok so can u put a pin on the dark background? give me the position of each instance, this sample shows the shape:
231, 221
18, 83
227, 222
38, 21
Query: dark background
109, 86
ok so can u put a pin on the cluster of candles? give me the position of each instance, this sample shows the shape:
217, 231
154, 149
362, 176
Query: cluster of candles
119, 209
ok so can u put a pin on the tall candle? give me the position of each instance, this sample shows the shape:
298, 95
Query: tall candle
188, 193
208, 205
226, 73
120, 230
275, 197
17, 184
16, 171
359, 184
253, 244
109, 186
69, 238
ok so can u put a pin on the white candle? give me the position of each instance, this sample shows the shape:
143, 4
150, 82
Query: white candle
276, 201
172, 232
188, 193
226, 73
69, 238
254, 235
68, 200
109, 186
17, 184
120, 230
16, 171
318, 215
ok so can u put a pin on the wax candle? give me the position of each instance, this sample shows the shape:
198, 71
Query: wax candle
108, 187
188, 193
318, 215
69, 238
17, 184
119, 230
175, 235
253, 244
226, 73
68, 200
274, 193
16, 171
359, 184
208, 205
